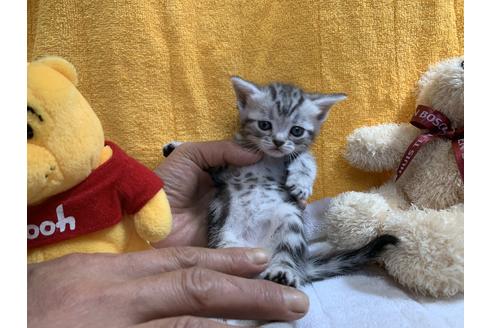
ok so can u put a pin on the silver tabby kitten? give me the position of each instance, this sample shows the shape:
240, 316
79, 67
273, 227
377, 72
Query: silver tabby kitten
259, 205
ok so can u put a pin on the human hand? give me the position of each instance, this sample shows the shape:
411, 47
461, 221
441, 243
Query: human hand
190, 189
171, 287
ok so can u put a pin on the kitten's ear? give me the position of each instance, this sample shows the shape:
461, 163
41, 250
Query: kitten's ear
325, 102
244, 90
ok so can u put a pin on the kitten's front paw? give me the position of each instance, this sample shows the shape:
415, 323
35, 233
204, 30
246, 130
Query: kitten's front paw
282, 275
169, 147
298, 190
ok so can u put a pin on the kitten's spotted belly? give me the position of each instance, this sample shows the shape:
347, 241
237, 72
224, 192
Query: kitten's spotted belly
255, 214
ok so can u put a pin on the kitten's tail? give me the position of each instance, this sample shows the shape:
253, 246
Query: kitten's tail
323, 266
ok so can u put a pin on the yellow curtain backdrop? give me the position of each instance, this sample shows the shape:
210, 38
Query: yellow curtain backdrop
156, 71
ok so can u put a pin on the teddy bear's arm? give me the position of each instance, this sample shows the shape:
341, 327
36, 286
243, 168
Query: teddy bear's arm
153, 222
379, 148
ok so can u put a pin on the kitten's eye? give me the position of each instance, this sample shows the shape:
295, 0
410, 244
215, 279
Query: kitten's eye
463, 64
30, 132
297, 131
264, 125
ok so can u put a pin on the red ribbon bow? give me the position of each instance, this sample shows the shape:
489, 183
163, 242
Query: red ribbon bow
437, 126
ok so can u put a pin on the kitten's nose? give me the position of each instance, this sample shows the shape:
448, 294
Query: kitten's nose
278, 143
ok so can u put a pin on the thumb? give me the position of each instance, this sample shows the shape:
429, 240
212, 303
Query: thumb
219, 153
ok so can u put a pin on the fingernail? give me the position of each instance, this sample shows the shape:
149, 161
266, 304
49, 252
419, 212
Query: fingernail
258, 256
296, 301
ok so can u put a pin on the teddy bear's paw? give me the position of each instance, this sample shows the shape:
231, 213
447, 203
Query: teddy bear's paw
352, 205
298, 189
283, 275
168, 148
355, 218
378, 148
430, 256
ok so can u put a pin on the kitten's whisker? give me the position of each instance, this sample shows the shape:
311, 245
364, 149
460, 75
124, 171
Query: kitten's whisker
250, 146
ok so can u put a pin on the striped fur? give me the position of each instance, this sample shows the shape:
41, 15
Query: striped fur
259, 205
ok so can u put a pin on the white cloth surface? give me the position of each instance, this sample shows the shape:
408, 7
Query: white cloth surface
371, 298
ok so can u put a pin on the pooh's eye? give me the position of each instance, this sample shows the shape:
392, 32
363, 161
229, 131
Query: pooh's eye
30, 132
33, 111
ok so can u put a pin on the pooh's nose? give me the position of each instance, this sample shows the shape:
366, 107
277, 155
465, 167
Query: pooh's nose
278, 143
42, 173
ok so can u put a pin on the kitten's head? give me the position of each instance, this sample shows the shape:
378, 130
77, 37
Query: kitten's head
280, 119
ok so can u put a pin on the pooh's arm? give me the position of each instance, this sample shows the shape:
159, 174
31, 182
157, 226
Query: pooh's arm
379, 148
154, 221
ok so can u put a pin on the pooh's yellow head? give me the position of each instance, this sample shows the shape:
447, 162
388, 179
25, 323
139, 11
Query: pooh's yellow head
64, 136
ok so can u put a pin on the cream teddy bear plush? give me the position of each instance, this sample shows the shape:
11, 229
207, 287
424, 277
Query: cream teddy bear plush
424, 206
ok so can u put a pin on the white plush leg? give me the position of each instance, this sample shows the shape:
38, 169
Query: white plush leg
430, 256
355, 218
392, 194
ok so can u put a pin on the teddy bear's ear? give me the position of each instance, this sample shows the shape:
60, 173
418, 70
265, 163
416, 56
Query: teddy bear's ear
425, 78
60, 65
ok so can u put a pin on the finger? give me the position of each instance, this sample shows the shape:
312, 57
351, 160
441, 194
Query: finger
245, 262
207, 293
187, 231
219, 153
205, 184
182, 322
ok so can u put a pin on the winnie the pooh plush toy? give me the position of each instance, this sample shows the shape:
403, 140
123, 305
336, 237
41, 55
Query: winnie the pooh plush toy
84, 193
423, 205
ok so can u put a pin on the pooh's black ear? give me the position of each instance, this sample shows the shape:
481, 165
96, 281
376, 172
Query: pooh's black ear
60, 65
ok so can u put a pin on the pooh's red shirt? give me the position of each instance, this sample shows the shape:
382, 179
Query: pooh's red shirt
120, 185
